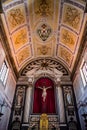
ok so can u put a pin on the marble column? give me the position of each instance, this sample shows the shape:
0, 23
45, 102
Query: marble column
60, 103
28, 102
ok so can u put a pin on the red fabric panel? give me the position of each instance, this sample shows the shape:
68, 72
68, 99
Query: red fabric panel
39, 106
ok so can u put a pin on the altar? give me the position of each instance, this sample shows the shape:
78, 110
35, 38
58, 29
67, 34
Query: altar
44, 122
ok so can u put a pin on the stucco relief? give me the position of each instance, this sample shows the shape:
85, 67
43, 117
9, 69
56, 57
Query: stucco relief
43, 8
72, 16
65, 55
68, 39
20, 38
16, 17
44, 31
24, 54
45, 50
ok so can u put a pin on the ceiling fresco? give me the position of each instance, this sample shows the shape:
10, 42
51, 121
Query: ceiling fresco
44, 28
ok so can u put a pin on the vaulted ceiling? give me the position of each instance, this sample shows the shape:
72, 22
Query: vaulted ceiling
44, 28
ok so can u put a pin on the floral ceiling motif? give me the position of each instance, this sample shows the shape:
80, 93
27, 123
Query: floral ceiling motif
44, 28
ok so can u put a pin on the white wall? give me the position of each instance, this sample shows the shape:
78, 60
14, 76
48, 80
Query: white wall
80, 90
6, 93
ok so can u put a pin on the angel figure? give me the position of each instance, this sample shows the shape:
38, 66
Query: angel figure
44, 93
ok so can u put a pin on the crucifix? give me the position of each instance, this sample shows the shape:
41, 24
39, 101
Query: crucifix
44, 93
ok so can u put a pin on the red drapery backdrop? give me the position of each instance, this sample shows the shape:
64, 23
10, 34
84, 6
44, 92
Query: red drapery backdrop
39, 106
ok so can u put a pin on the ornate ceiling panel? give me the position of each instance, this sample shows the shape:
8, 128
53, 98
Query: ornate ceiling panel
16, 17
72, 16
23, 55
68, 39
44, 28
20, 38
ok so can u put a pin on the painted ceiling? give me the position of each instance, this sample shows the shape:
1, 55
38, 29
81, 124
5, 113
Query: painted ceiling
44, 28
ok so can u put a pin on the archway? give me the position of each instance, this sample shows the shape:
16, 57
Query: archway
43, 104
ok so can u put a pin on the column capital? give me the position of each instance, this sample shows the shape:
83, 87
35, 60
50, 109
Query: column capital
57, 81
31, 80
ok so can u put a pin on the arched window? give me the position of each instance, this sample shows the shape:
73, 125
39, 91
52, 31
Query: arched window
4, 72
83, 71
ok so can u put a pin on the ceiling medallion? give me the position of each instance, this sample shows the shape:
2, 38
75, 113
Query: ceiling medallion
44, 31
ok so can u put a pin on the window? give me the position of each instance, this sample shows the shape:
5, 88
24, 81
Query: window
84, 72
4, 72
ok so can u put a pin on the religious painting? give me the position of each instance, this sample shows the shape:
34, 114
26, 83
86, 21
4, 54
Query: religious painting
20, 38
24, 54
72, 16
44, 99
65, 54
68, 38
16, 17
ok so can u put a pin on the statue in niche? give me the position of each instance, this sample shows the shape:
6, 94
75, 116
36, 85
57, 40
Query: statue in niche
44, 93
69, 98
19, 99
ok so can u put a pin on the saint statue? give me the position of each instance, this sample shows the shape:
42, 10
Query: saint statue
19, 99
68, 96
44, 93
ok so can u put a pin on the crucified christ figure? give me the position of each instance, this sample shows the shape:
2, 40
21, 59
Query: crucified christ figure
44, 93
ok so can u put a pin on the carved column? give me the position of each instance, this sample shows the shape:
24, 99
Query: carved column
60, 103
28, 100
